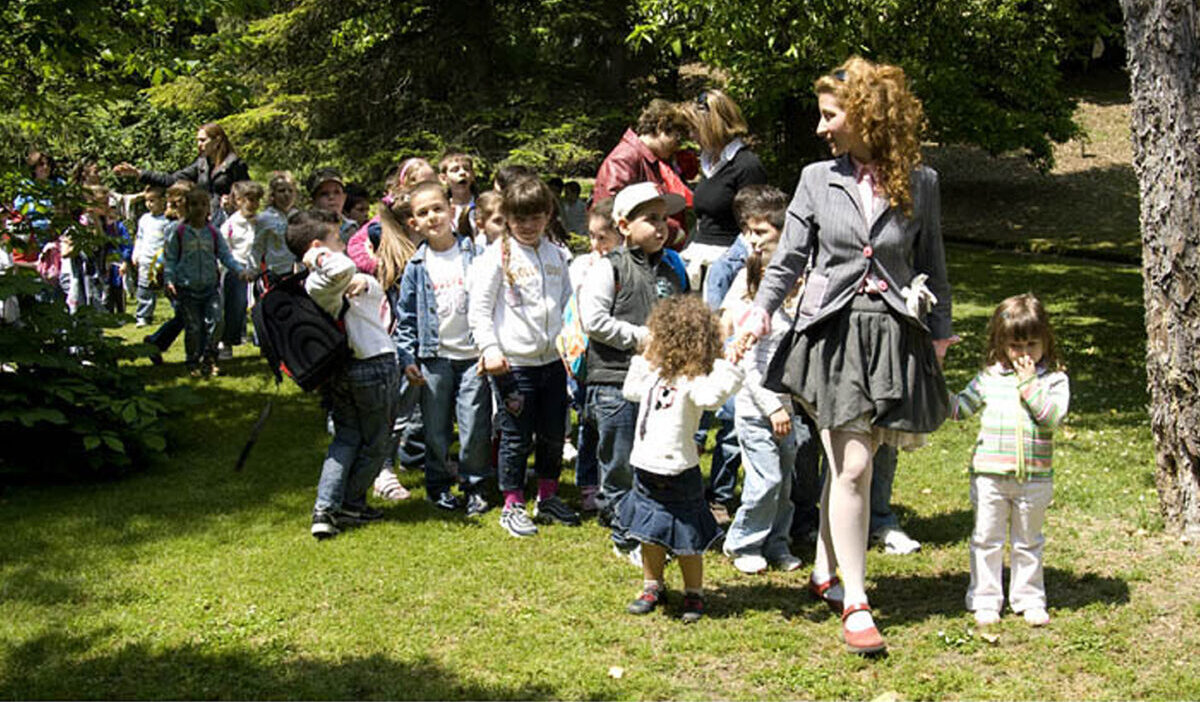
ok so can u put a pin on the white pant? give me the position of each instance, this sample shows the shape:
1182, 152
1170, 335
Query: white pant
1004, 505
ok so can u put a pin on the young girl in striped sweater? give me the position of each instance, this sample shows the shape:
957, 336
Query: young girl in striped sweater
1024, 396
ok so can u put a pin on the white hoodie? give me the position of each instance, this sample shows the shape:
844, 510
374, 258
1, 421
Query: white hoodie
519, 320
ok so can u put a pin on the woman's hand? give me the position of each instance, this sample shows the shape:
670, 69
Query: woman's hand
127, 170
941, 346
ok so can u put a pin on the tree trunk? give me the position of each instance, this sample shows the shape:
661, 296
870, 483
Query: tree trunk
1163, 40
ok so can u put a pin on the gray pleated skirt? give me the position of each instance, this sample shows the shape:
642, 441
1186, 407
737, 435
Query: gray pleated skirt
864, 367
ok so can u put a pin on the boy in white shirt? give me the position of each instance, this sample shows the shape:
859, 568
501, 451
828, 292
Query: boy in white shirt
147, 248
239, 232
365, 390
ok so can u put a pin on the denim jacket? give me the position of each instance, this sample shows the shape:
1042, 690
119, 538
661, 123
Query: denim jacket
190, 262
416, 306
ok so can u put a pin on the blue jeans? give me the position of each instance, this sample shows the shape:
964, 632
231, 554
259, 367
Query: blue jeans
455, 390
726, 458
883, 472
615, 420
147, 297
201, 311
587, 466
364, 395
235, 309
533, 401
764, 518
410, 427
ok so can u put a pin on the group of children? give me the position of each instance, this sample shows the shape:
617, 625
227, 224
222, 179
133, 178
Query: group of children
453, 305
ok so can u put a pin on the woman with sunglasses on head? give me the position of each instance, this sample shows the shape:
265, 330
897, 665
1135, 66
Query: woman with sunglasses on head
727, 165
864, 356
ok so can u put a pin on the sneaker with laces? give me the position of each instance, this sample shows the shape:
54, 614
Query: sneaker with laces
358, 515
445, 500
896, 542
693, 608
476, 504
1036, 616
986, 617
553, 509
516, 522
324, 525
647, 602
388, 488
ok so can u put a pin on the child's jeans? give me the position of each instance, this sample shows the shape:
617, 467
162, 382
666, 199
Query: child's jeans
364, 394
147, 298
533, 400
455, 390
235, 309
615, 419
764, 517
1001, 505
726, 458
587, 466
201, 311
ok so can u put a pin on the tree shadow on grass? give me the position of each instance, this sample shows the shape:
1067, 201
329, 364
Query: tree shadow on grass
904, 599
60, 666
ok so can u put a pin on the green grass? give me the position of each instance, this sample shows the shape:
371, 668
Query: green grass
191, 581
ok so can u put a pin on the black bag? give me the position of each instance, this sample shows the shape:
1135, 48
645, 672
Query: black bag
297, 336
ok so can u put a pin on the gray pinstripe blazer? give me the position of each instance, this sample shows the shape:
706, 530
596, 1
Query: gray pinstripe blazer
826, 215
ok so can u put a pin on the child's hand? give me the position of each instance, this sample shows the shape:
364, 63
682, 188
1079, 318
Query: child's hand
781, 422
358, 285
740, 346
246, 275
413, 373
1025, 367
170, 288
494, 365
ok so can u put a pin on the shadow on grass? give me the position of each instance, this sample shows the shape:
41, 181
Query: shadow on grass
60, 666
903, 599
937, 529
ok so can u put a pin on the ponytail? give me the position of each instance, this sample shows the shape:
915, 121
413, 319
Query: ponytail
395, 248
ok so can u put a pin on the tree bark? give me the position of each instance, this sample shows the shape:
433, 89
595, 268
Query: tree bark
1163, 40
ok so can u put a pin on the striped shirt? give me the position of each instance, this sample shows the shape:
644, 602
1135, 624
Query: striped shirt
1015, 414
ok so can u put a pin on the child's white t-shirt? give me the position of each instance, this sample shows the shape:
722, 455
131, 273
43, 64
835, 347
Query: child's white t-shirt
445, 269
239, 232
151, 235
754, 399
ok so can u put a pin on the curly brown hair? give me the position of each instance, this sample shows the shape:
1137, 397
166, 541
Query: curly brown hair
685, 337
888, 117
1019, 318
662, 117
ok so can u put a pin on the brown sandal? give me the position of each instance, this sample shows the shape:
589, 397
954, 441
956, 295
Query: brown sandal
862, 642
818, 592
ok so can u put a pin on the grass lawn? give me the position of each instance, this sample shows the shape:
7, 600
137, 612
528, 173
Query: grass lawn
192, 581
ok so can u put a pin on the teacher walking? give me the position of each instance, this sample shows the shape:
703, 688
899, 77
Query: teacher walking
864, 357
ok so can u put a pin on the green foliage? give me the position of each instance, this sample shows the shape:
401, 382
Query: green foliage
70, 406
987, 70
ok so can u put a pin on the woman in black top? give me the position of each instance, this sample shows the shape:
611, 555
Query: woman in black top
216, 168
727, 165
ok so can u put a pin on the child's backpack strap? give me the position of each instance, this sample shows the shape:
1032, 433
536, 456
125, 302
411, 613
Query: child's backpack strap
180, 229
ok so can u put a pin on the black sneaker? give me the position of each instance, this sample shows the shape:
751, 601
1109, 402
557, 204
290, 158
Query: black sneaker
647, 602
693, 608
476, 504
358, 515
553, 509
324, 525
445, 500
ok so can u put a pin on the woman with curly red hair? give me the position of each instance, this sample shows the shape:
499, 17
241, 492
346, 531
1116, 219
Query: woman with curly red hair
864, 356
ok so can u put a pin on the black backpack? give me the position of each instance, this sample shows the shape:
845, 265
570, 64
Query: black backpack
297, 336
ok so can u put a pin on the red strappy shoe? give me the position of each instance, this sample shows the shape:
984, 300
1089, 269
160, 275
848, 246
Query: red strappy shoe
821, 592
862, 642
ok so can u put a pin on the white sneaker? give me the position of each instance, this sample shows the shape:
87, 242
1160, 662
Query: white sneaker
750, 564
569, 452
896, 542
986, 617
634, 555
1037, 616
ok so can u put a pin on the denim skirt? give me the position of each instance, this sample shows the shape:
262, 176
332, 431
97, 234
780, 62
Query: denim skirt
669, 510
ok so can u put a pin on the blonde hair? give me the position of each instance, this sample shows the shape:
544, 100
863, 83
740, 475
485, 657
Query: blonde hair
1018, 318
395, 248
685, 337
887, 116
717, 120
405, 174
